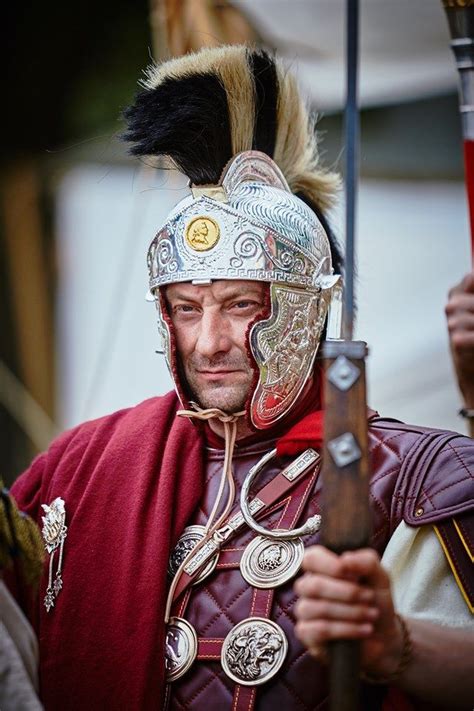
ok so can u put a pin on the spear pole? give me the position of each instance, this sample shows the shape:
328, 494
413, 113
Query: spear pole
460, 15
345, 505
351, 173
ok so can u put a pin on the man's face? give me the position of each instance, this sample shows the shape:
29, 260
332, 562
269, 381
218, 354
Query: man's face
210, 324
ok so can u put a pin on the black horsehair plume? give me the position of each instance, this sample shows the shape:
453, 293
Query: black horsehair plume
201, 109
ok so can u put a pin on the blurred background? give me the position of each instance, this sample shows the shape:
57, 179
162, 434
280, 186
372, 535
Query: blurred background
78, 339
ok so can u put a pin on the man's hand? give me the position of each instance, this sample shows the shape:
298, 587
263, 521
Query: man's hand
335, 604
460, 317
348, 597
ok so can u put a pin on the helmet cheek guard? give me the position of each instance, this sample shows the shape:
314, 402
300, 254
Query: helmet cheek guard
284, 347
251, 227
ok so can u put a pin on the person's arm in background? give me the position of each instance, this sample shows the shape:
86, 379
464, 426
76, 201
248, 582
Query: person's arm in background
460, 318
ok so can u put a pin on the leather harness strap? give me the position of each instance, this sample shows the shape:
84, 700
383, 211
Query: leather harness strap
262, 600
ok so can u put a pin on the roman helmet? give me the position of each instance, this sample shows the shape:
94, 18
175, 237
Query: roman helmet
233, 121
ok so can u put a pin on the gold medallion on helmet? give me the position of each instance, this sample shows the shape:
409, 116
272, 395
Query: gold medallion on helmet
202, 233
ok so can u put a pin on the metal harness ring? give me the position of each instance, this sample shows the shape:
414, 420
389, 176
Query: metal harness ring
311, 526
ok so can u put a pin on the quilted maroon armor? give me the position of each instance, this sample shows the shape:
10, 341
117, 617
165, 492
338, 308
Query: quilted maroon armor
419, 475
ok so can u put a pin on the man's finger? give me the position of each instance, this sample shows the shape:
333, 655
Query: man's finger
460, 303
468, 282
366, 564
319, 559
310, 609
313, 634
319, 586
465, 285
461, 322
462, 338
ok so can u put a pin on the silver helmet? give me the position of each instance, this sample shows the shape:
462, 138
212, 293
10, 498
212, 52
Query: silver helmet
252, 227
246, 224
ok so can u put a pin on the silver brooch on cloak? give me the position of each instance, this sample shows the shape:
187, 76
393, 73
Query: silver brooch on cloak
54, 533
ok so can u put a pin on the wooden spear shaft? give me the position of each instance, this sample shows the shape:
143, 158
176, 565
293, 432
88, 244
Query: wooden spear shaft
345, 505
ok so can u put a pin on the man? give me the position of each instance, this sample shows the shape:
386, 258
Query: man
158, 593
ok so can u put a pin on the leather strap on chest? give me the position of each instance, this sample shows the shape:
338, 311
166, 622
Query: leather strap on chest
262, 600
270, 494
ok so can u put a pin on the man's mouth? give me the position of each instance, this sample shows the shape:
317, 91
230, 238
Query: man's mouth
217, 373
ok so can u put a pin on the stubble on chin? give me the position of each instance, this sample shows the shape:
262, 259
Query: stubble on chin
229, 398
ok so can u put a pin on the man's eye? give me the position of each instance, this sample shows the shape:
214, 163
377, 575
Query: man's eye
184, 309
245, 304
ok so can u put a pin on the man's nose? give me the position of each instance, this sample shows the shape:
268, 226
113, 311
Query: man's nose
214, 335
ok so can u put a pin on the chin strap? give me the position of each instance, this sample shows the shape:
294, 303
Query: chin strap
230, 435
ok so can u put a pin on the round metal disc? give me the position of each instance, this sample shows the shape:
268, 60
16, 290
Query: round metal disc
181, 646
253, 651
268, 563
187, 541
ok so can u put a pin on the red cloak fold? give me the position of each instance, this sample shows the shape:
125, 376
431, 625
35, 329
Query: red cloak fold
102, 644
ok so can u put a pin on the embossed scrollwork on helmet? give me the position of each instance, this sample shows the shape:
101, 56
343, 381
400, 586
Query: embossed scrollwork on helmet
284, 347
246, 246
165, 255
285, 260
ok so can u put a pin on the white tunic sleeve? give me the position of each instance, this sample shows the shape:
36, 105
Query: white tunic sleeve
423, 584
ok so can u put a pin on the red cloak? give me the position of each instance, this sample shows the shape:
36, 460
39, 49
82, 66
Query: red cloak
141, 469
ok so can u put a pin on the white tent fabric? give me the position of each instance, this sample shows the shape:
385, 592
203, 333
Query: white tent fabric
404, 47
